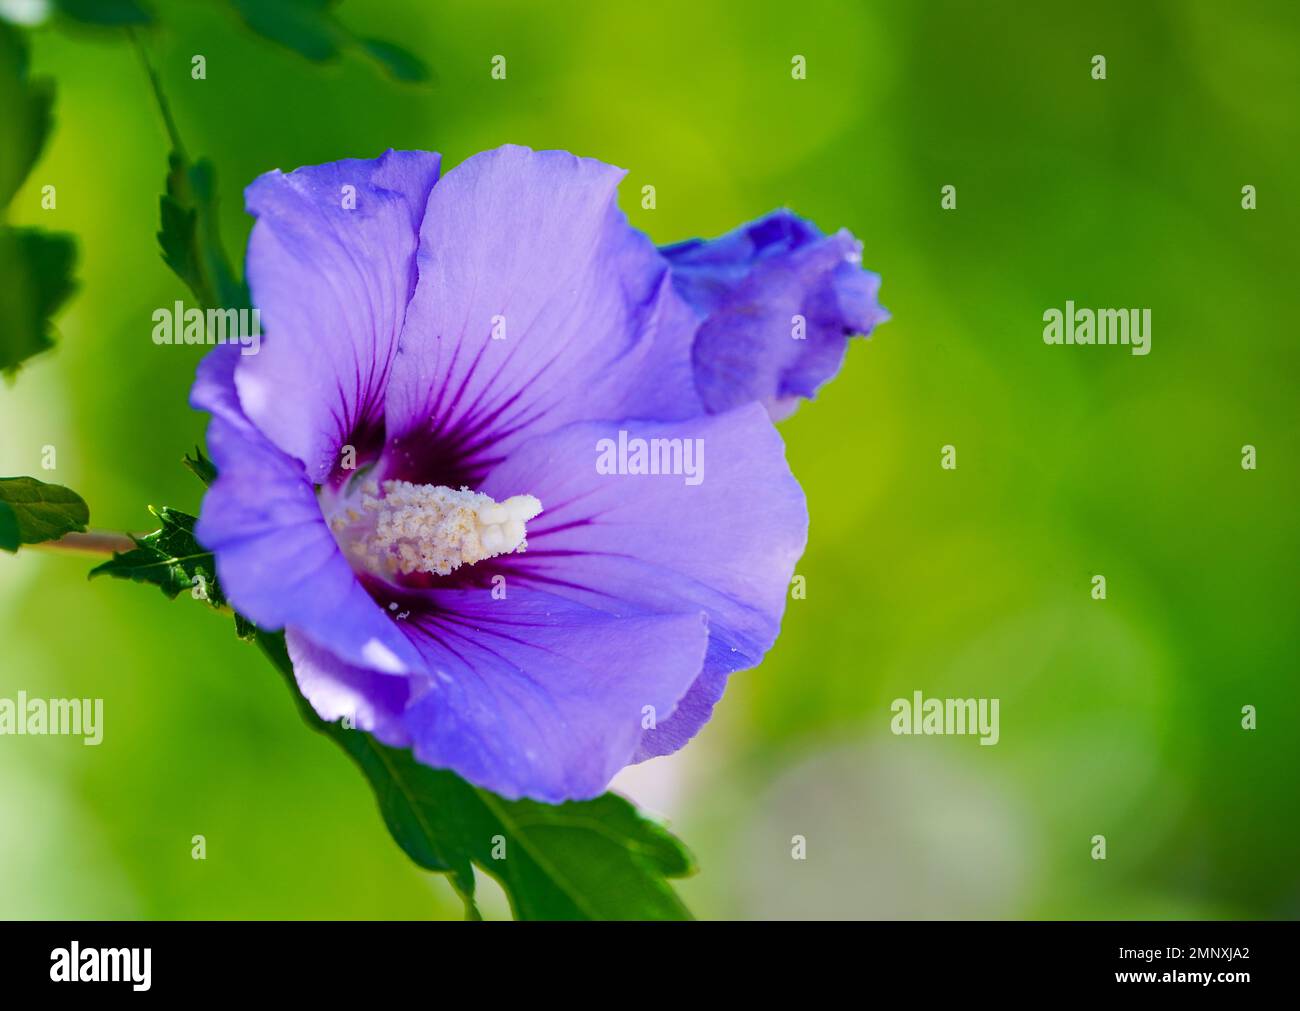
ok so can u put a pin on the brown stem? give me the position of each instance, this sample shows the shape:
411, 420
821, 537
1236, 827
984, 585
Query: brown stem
94, 542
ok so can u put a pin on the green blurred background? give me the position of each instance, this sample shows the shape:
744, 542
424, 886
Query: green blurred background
1119, 717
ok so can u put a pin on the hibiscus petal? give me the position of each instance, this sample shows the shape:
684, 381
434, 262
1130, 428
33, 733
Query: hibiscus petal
277, 560
331, 282
726, 546
750, 287
532, 247
375, 702
535, 695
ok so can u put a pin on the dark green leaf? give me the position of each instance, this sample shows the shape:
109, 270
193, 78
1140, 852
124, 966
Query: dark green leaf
36, 268
106, 12
171, 559
11, 534
305, 26
190, 238
589, 860
189, 233
400, 63
309, 28
244, 629
25, 121
32, 511
200, 466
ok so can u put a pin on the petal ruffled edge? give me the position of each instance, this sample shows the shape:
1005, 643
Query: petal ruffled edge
537, 305
277, 560
726, 546
331, 269
777, 301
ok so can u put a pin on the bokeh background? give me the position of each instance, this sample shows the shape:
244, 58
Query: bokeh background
1119, 717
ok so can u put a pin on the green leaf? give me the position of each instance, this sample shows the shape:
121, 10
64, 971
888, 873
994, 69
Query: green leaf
309, 28
305, 26
37, 270
171, 559
190, 237
200, 466
36, 267
112, 13
244, 629
401, 63
11, 534
589, 860
189, 234
25, 123
32, 511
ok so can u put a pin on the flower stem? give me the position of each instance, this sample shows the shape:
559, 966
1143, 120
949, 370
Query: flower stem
173, 134
93, 542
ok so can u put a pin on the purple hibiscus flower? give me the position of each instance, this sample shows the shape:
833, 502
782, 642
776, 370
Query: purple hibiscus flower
465, 473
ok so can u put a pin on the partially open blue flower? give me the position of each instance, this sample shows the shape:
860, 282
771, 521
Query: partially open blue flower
777, 277
415, 472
